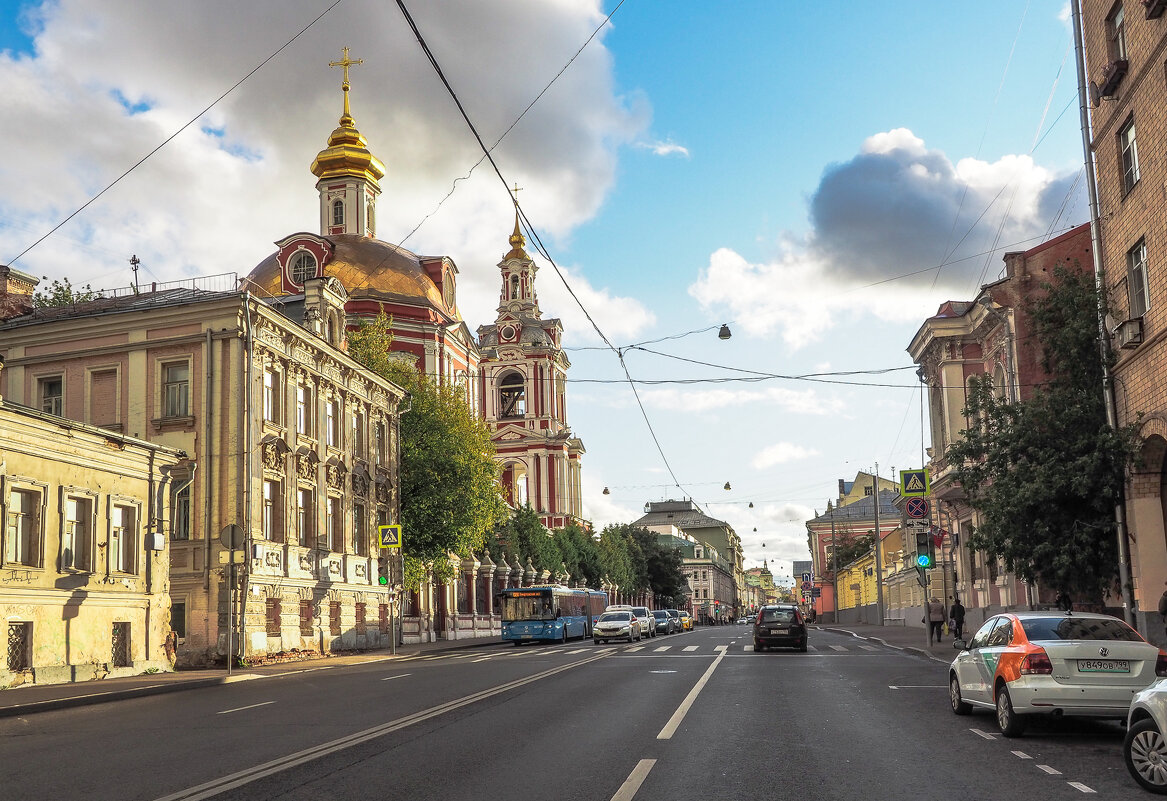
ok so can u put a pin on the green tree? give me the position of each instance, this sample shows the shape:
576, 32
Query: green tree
524, 535
450, 498
850, 550
62, 293
1045, 473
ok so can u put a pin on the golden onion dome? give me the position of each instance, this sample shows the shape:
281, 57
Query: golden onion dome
347, 155
368, 268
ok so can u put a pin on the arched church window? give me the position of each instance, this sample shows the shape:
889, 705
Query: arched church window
371, 217
514, 287
338, 212
512, 392
303, 267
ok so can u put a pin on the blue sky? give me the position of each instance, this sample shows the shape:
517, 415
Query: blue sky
767, 164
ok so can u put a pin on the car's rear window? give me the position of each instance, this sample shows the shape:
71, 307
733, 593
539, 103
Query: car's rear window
659, 613
1077, 628
776, 616
608, 616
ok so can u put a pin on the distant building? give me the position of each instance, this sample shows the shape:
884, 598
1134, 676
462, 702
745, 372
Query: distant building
1124, 43
83, 577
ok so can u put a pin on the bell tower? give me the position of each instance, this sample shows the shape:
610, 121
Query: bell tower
347, 173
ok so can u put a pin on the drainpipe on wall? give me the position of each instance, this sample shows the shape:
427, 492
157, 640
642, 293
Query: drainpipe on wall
248, 455
208, 406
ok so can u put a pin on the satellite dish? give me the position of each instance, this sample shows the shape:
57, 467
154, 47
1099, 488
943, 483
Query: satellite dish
1095, 94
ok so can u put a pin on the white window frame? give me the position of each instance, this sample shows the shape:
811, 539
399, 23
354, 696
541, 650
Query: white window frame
71, 531
1116, 32
273, 512
1136, 279
180, 528
302, 266
24, 548
1128, 155
175, 393
305, 411
273, 395
51, 404
124, 540
306, 516
332, 424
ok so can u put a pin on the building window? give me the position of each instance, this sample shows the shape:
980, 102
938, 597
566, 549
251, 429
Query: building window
360, 621
1116, 32
1129, 156
338, 212
123, 539
23, 533
334, 618
514, 287
371, 217
1136, 279
120, 645
272, 401
181, 528
303, 267
333, 540
512, 396
359, 434
305, 419
379, 443
305, 618
178, 619
332, 423
51, 392
305, 517
272, 616
77, 537
273, 511
360, 534
176, 389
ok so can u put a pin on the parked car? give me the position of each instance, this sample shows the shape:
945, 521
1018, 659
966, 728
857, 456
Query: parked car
678, 624
664, 621
686, 621
644, 614
743, 620
1145, 747
616, 625
779, 625
1051, 663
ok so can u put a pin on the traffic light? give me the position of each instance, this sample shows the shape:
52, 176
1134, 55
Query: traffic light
383, 570
925, 551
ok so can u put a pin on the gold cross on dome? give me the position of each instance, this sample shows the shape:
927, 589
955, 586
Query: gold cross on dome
345, 63
515, 193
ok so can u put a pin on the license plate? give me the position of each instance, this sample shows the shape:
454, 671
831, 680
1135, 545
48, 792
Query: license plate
1104, 666
779, 631
526, 636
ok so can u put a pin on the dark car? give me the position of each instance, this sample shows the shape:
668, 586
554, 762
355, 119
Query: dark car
678, 624
779, 626
664, 621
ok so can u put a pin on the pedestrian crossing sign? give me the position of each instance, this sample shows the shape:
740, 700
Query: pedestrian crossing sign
915, 483
389, 537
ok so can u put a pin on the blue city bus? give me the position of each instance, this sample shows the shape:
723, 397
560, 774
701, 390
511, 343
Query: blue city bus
550, 613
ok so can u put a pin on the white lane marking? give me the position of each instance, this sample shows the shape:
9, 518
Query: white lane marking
986, 735
662, 649
722, 648
1021, 755
636, 778
240, 778
748, 648
577, 651
675, 721
634, 649
1082, 787
241, 708
398, 676
480, 659
868, 647
838, 648
695, 647
812, 647
1049, 770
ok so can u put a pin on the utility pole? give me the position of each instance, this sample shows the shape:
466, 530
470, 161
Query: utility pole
834, 570
878, 548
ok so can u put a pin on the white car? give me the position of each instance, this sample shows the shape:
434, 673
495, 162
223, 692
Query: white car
1021, 664
616, 625
1145, 748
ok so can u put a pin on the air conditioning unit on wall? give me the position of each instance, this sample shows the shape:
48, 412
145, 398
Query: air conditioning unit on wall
1129, 333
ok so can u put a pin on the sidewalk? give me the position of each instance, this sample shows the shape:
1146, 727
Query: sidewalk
907, 637
29, 699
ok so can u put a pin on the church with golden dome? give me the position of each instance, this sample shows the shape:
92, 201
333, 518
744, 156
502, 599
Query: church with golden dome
513, 373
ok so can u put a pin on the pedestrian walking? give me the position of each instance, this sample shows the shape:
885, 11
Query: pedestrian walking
935, 615
1064, 602
956, 619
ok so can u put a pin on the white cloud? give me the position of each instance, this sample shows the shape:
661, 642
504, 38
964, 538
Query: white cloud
797, 401
666, 148
881, 223
780, 453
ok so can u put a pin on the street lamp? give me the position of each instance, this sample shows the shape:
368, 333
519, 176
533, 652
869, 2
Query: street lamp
724, 333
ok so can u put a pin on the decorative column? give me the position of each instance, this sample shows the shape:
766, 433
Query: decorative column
486, 573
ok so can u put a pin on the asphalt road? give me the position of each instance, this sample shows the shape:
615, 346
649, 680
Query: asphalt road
691, 716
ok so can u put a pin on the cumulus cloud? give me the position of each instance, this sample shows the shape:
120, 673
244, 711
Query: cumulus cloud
780, 453
101, 87
881, 224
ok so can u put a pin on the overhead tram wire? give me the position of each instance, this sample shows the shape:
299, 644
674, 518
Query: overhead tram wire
535, 237
171, 138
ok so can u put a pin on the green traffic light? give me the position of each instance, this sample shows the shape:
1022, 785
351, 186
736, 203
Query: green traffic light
382, 580
924, 560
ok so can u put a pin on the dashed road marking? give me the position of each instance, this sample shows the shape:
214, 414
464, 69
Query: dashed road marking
694, 647
1049, 770
398, 676
838, 648
662, 649
1082, 787
1021, 755
986, 735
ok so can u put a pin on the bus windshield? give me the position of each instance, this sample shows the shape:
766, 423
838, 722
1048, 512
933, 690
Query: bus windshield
527, 606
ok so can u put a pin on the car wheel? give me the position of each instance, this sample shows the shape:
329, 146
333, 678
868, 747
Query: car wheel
595, 642
959, 705
563, 639
758, 647
1008, 721
802, 647
1145, 752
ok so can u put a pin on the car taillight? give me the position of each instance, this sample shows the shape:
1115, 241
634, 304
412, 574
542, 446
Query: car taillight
1036, 664
1161, 665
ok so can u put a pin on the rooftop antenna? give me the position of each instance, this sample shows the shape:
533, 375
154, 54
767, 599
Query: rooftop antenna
134, 266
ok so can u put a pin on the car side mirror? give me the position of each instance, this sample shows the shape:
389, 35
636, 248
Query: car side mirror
960, 645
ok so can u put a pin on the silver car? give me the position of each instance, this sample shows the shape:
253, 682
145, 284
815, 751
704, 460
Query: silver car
1145, 748
617, 625
647, 622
